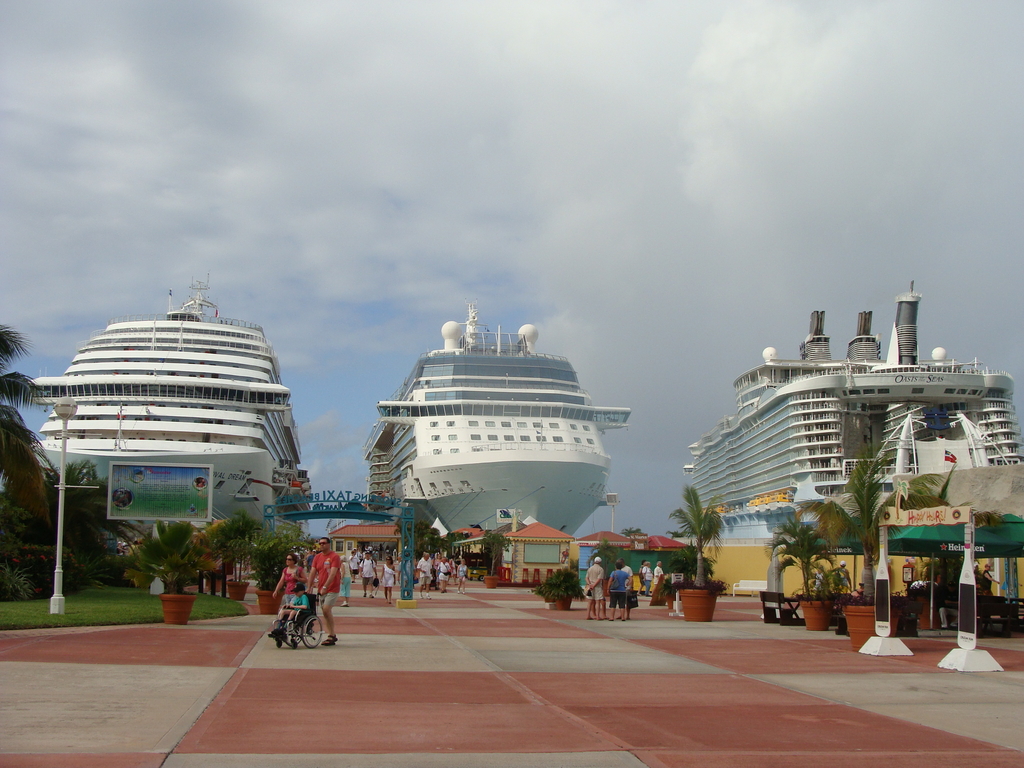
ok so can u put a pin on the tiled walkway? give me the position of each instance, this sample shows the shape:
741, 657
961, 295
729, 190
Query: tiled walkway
494, 679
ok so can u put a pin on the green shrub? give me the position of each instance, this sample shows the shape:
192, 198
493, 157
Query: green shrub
105, 570
15, 584
38, 564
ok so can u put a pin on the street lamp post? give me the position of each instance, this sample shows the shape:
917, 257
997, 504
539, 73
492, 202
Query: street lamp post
65, 409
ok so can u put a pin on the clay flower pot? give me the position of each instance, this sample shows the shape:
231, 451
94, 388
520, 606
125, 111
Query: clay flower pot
177, 608
860, 623
817, 614
698, 604
269, 605
563, 604
237, 589
491, 582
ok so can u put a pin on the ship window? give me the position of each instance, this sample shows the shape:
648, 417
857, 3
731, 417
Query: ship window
576, 439
961, 391
435, 438
447, 484
558, 439
433, 423
506, 423
553, 426
474, 423
453, 437
520, 423
854, 391
917, 390
573, 426
538, 425
474, 437
510, 437
869, 391
488, 423
449, 423
524, 438
434, 486
883, 391
437, 451
464, 483
492, 437
590, 441
453, 450
541, 439
586, 428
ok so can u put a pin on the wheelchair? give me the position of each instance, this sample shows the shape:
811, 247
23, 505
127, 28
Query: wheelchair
306, 628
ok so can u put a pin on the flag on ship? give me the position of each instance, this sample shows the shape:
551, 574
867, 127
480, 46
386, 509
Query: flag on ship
950, 458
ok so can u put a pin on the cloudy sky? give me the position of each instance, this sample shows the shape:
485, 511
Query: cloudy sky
663, 188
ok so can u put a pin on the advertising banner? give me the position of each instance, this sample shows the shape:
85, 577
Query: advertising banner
159, 492
927, 516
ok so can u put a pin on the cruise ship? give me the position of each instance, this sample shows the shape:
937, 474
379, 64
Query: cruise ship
187, 387
486, 424
800, 424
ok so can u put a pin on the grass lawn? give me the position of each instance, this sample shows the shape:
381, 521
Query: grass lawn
107, 605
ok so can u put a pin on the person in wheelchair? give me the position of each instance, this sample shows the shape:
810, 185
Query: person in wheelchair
292, 611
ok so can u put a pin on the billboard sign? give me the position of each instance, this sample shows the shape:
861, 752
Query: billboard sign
159, 492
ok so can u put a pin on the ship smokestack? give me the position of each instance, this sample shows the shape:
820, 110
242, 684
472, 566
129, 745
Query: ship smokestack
903, 345
816, 345
864, 346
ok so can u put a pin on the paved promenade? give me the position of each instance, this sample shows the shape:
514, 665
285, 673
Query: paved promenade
495, 679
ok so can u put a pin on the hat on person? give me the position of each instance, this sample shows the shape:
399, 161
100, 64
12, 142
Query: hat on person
299, 586
842, 562
597, 559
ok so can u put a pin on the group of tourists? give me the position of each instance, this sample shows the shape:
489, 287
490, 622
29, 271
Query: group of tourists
438, 571
616, 589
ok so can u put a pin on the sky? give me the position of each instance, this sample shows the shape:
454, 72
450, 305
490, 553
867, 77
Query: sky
664, 189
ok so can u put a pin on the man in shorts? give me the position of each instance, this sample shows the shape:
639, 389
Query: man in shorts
595, 591
368, 572
326, 574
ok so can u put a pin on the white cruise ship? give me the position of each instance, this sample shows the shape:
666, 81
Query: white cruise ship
487, 423
800, 424
186, 387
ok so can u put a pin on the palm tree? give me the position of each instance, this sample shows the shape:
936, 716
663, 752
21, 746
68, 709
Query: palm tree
21, 457
858, 511
702, 524
628, 532
801, 545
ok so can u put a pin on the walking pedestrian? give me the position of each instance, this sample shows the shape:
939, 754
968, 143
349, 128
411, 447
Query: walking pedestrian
463, 574
617, 589
425, 570
389, 578
368, 572
646, 577
291, 575
326, 575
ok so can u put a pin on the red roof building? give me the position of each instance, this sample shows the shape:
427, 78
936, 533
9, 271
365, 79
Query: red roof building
615, 539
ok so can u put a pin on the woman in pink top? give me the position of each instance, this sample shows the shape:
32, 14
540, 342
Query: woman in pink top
290, 575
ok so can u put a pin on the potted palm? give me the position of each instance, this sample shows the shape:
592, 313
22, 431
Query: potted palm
269, 550
702, 524
232, 541
494, 544
174, 556
798, 544
561, 587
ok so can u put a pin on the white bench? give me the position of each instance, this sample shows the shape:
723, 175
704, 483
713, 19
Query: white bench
749, 585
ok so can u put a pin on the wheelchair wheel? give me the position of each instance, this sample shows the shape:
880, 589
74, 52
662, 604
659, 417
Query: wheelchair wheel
312, 632
279, 641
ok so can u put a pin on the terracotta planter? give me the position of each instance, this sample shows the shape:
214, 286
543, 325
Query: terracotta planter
237, 589
491, 582
860, 623
698, 604
177, 608
817, 614
269, 605
563, 604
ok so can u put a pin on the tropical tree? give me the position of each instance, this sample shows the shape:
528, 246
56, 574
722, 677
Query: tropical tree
859, 510
799, 544
174, 554
21, 457
700, 523
629, 532
494, 545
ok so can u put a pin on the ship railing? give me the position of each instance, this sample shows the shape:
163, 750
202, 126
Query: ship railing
921, 368
493, 353
486, 447
202, 319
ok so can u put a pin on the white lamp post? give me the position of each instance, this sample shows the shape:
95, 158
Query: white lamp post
65, 409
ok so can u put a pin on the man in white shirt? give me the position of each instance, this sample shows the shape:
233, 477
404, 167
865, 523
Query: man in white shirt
368, 571
424, 567
595, 592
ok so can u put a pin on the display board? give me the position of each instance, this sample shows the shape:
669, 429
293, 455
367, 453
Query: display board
159, 492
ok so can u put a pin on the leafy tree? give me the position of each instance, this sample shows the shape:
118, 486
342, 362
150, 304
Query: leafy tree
859, 510
700, 523
427, 538
175, 555
801, 545
494, 545
608, 554
21, 457
233, 539
684, 561
628, 532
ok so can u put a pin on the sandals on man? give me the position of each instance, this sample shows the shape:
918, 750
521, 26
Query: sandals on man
331, 640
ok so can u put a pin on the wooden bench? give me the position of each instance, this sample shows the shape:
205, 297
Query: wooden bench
749, 585
993, 615
778, 609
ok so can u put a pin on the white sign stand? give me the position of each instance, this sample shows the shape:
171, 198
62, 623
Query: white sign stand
968, 657
882, 644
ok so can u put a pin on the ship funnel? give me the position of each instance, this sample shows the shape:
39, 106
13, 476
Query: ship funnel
903, 344
864, 346
816, 345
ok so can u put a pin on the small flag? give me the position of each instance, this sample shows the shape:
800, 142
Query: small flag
950, 458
